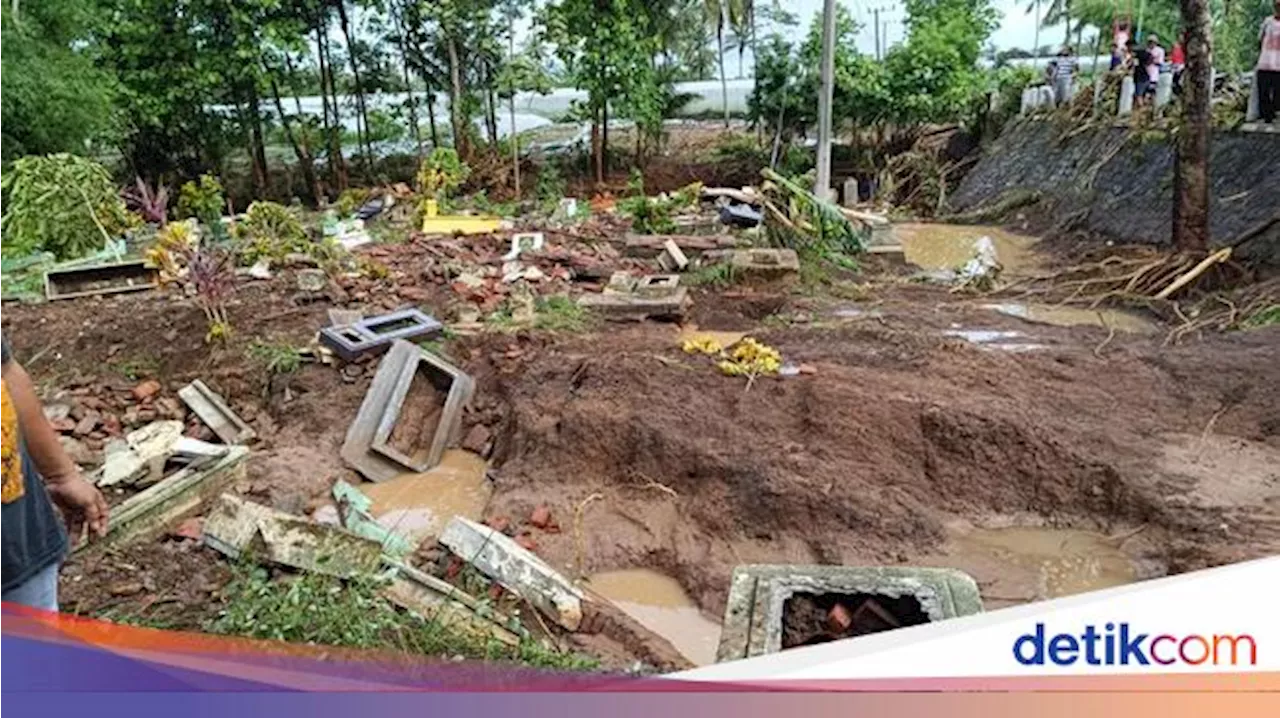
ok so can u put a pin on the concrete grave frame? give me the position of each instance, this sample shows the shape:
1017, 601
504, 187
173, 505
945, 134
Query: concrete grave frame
365, 448
758, 595
362, 337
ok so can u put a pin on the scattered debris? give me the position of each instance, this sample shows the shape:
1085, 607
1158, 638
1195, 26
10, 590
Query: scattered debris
344, 317
312, 281
141, 457
260, 269
173, 498
524, 242
649, 246
369, 448
353, 511
741, 215
192, 528
672, 258
518, 570
214, 412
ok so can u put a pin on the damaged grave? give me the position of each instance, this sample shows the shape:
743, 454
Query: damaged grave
630, 298
83, 281
373, 335
772, 608
410, 414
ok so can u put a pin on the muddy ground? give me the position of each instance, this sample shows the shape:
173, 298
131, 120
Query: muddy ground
900, 439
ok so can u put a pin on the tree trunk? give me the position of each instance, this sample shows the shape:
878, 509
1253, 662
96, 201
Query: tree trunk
397, 13
460, 135
1191, 169
724, 85
490, 106
333, 127
596, 154
511, 104
604, 139
362, 137
300, 148
258, 154
431, 117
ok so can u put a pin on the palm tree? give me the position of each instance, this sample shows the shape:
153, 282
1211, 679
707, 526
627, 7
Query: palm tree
716, 10
742, 19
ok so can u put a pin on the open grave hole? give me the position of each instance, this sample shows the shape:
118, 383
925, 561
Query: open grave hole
809, 619
414, 431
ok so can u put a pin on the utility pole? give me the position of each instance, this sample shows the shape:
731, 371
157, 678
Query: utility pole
1035, 51
876, 11
827, 77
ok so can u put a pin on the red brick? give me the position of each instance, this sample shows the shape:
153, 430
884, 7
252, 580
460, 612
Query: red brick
541, 516
839, 618
526, 542
146, 390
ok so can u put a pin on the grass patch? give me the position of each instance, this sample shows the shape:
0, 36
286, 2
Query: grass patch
720, 274
560, 313
136, 369
1266, 317
277, 358
820, 269
322, 610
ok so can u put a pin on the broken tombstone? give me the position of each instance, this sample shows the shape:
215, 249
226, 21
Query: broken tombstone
524, 242
518, 570
774, 607
410, 414
375, 334
312, 281
353, 511
765, 263
235, 526
214, 412
672, 258
740, 215
172, 499
141, 456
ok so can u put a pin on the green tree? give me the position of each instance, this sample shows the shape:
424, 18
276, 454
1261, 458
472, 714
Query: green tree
608, 53
933, 76
53, 98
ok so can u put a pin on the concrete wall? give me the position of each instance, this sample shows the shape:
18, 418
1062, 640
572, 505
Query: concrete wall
1123, 181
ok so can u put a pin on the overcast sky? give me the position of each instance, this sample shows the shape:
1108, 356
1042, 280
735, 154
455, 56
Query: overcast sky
1017, 27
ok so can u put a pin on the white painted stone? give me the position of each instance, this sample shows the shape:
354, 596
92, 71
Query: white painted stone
517, 569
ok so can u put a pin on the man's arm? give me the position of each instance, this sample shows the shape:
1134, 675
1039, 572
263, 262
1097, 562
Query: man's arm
80, 501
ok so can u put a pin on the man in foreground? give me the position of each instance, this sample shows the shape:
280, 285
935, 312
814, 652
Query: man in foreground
37, 474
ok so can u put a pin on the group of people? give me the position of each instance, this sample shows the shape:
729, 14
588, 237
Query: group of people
1146, 62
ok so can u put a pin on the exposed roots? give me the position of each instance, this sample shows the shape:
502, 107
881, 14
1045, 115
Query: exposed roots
1202, 292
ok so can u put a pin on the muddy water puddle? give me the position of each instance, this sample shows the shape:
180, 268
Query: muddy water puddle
661, 605
949, 246
418, 506
1074, 316
1019, 564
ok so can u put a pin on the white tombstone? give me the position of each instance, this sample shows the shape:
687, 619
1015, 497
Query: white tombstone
1164, 89
1126, 96
1252, 114
1046, 96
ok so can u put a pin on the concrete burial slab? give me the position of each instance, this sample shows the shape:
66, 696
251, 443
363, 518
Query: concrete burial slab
758, 595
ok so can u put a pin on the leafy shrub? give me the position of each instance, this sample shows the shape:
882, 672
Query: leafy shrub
62, 204
441, 173
271, 231
150, 204
203, 200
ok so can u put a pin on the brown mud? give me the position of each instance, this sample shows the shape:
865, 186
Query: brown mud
901, 442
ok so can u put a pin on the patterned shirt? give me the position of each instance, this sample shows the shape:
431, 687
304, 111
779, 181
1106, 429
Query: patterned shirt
33, 536
1269, 57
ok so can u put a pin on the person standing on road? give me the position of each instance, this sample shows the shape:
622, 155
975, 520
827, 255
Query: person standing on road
1063, 70
37, 475
1268, 72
